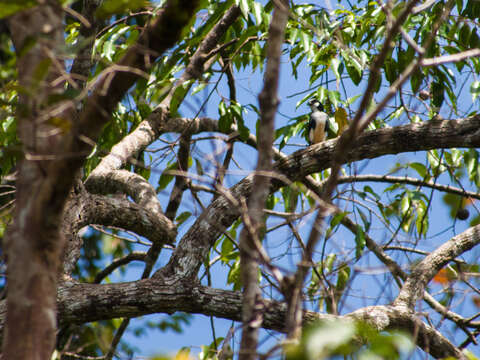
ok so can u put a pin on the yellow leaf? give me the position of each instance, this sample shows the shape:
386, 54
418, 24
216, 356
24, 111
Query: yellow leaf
183, 354
341, 120
61, 123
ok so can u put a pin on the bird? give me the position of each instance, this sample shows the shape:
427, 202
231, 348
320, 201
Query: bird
318, 124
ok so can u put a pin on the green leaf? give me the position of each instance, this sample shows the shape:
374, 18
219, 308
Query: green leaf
464, 35
343, 276
435, 162
475, 90
416, 80
306, 41
365, 220
290, 198
326, 337
474, 40
10, 7
179, 95
420, 169
405, 204
390, 67
166, 178
226, 250
337, 218
335, 66
245, 7
243, 131
183, 217
329, 262
368, 189
257, 12
471, 161
225, 122
112, 7
360, 242
354, 68
421, 221
292, 38
234, 277
437, 94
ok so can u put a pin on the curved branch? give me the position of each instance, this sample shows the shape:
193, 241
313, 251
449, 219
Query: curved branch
396, 270
413, 289
133, 256
118, 212
140, 190
196, 243
82, 303
87, 209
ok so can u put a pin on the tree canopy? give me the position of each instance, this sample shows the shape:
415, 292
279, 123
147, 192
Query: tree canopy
172, 134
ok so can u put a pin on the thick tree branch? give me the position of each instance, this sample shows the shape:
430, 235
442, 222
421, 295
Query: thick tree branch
196, 243
397, 271
422, 273
34, 238
81, 303
118, 212
180, 181
141, 191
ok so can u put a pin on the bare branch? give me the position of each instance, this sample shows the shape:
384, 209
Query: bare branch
450, 58
410, 181
116, 263
180, 181
249, 256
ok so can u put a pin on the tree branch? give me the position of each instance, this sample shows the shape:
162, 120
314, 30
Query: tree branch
81, 303
140, 190
157, 122
423, 272
194, 246
249, 258
116, 263
410, 181
450, 58
180, 181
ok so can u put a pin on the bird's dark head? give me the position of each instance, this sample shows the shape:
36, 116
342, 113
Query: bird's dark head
315, 105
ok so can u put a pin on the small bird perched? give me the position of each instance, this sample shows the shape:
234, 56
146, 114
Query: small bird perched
318, 124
